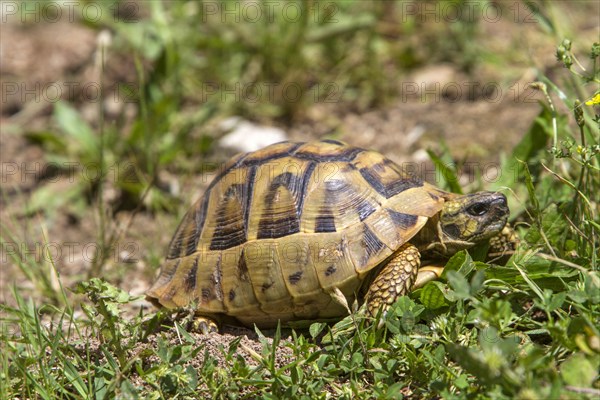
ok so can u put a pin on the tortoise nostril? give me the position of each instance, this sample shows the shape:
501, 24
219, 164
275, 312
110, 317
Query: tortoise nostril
500, 201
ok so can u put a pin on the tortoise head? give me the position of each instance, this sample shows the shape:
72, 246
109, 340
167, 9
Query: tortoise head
467, 220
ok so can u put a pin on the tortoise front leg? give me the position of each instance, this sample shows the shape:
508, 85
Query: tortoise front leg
395, 279
503, 244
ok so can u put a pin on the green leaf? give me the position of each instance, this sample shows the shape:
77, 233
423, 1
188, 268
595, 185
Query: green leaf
343, 26
497, 312
408, 320
536, 268
357, 359
592, 287
447, 172
185, 335
75, 378
477, 281
556, 301
480, 251
143, 36
316, 328
128, 390
528, 150
47, 139
538, 15
578, 296
530, 187
578, 371
462, 381
80, 134
54, 195
432, 295
472, 361
402, 304
553, 224
534, 142
461, 262
459, 283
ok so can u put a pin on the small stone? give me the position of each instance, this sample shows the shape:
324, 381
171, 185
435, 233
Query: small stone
246, 136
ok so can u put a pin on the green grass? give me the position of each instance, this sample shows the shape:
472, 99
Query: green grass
527, 329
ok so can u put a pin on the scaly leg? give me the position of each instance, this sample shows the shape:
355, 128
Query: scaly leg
395, 279
503, 244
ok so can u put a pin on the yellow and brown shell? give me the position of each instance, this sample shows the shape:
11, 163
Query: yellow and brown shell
279, 229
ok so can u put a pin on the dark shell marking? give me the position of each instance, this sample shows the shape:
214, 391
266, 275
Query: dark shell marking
190, 278
388, 189
330, 270
295, 277
230, 229
401, 220
325, 222
371, 242
242, 269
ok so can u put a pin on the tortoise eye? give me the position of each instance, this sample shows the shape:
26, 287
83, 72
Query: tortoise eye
478, 209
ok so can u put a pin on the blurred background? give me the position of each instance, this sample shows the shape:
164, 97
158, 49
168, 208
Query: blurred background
116, 115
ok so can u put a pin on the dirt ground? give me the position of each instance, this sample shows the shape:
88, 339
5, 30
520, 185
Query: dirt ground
477, 126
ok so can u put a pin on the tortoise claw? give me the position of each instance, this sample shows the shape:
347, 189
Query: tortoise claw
205, 325
427, 274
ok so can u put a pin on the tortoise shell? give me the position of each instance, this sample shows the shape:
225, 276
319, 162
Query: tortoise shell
279, 229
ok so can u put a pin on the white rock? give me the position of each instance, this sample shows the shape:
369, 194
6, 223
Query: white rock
414, 135
247, 136
420, 156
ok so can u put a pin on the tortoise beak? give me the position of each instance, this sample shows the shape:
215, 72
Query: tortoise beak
499, 210
500, 202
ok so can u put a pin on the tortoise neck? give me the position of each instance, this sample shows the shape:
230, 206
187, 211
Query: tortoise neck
430, 233
432, 242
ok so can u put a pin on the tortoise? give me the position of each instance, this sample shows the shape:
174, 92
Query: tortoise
297, 231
